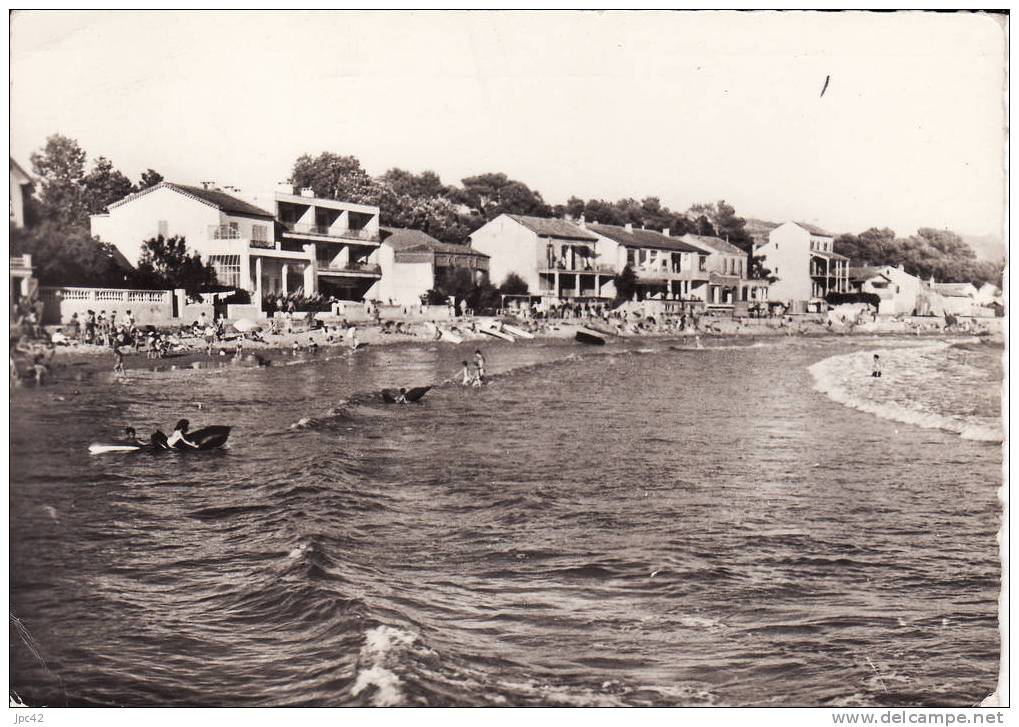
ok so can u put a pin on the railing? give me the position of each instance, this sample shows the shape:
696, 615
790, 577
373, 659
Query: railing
560, 266
113, 295
355, 268
21, 261
224, 232
326, 231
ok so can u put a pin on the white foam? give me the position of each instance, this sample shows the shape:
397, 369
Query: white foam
382, 647
846, 379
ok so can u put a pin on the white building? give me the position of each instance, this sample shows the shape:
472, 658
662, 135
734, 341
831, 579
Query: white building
413, 263
284, 244
557, 259
20, 189
729, 280
898, 290
342, 240
807, 268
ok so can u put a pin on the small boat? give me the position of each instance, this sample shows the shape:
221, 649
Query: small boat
206, 438
593, 338
391, 396
99, 448
451, 337
518, 332
496, 333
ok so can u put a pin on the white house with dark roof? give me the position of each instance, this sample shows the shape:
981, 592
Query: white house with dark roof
559, 260
729, 281
413, 262
665, 266
235, 236
20, 189
898, 290
802, 258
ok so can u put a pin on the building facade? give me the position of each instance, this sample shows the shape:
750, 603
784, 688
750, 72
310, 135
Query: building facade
413, 263
559, 260
898, 290
729, 282
802, 259
342, 240
666, 267
20, 190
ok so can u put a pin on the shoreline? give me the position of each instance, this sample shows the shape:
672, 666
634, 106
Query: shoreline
89, 361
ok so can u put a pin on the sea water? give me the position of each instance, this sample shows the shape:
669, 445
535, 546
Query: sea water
754, 523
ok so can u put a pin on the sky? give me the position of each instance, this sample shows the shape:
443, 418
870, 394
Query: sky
688, 107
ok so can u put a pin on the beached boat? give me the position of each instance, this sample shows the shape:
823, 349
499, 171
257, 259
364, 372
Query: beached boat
590, 337
518, 332
451, 337
496, 333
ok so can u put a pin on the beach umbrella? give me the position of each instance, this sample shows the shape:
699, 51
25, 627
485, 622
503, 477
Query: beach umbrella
245, 325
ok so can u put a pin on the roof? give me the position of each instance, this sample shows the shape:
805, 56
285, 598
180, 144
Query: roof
553, 227
720, 279
405, 240
866, 272
954, 290
715, 243
213, 197
813, 229
19, 171
644, 238
828, 255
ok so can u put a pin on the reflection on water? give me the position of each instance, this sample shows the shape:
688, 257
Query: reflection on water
667, 527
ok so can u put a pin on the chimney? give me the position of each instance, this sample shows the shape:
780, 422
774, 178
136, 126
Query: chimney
582, 221
307, 192
629, 227
207, 184
665, 231
902, 268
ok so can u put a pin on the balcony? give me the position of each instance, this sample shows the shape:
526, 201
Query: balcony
228, 232
350, 269
300, 228
559, 267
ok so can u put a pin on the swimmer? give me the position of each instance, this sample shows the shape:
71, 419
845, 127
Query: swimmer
401, 398
131, 437
876, 373
179, 433
479, 361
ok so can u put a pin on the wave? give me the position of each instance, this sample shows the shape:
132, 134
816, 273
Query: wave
846, 380
381, 652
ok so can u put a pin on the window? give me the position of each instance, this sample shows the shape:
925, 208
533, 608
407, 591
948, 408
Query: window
164, 228
258, 233
227, 268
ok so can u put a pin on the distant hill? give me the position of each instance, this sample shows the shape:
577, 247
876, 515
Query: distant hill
987, 247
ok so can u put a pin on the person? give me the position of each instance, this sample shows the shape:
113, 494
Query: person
39, 366
179, 435
75, 326
118, 367
352, 337
466, 377
312, 346
479, 361
90, 326
401, 398
876, 373
296, 347
131, 437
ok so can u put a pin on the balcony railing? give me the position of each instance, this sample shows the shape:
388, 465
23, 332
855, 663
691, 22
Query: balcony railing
580, 267
326, 231
352, 268
226, 232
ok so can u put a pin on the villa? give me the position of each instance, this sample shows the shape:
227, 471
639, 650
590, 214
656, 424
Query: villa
414, 262
20, 189
559, 260
802, 259
898, 290
728, 281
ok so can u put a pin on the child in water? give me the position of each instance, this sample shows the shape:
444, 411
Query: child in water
118, 367
466, 376
876, 373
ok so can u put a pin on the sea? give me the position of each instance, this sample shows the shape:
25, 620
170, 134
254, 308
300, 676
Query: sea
655, 522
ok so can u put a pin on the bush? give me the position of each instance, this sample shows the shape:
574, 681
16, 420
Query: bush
513, 285
843, 298
273, 302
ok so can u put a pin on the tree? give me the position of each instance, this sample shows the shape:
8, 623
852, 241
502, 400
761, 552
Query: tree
165, 263
513, 285
626, 284
67, 255
150, 178
60, 168
332, 176
104, 185
490, 195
